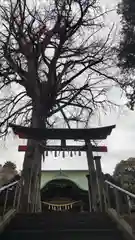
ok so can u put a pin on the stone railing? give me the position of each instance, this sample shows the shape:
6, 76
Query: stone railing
9, 197
121, 200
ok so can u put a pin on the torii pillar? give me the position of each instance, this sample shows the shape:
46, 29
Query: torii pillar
92, 183
100, 182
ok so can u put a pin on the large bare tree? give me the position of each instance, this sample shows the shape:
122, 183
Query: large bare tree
54, 64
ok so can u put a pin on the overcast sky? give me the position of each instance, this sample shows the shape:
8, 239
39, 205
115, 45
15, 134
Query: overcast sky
121, 143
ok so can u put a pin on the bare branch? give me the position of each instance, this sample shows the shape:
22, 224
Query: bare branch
58, 57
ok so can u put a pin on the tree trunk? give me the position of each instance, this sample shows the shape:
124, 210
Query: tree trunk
31, 175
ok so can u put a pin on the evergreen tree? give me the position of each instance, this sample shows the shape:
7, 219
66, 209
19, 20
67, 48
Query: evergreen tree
9, 165
126, 49
126, 55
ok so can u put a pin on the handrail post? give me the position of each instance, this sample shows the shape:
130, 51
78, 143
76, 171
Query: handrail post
14, 201
107, 196
128, 207
19, 198
129, 212
5, 203
119, 201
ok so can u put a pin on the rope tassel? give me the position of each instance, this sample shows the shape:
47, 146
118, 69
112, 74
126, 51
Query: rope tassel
60, 207
55, 153
79, 153
46, 153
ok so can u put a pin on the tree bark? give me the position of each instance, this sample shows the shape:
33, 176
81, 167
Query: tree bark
31, 175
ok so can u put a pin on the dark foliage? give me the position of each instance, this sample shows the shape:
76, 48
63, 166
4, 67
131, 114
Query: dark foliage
126, 49
9, 165
126, 9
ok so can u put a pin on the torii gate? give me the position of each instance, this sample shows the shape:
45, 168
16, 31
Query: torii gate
87, 135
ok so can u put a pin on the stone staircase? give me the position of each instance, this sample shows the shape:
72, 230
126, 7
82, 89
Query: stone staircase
62, 226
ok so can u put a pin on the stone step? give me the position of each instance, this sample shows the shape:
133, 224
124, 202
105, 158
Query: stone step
62, 226
63, 235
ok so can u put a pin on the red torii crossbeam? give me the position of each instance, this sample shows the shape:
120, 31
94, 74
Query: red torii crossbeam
24, 148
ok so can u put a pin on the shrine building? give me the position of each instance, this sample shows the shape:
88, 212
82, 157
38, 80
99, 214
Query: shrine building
64, 190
